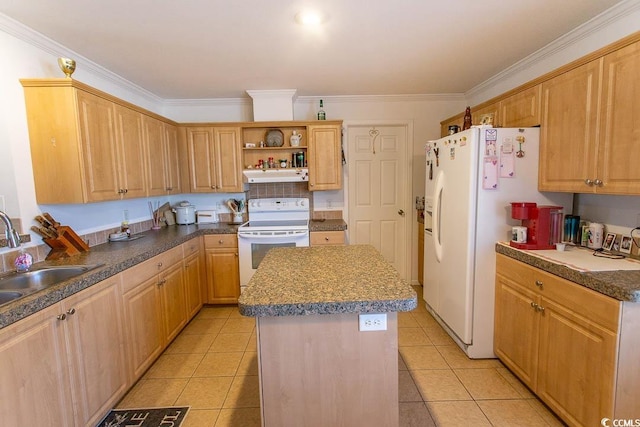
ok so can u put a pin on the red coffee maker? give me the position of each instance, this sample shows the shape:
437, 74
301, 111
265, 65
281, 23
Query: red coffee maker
544, 225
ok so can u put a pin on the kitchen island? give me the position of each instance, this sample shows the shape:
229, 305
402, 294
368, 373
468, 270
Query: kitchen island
316, 367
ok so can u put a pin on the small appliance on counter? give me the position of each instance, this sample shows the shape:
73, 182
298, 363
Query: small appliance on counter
207, 216
543, 226
185, 213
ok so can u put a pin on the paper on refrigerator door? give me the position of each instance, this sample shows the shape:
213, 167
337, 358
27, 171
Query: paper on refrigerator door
490, 173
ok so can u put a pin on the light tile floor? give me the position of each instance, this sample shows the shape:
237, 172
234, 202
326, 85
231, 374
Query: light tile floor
212, 367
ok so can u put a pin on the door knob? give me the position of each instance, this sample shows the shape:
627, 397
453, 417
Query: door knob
401, 212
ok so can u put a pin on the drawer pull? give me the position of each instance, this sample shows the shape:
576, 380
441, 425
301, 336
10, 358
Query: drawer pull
62, 316
159, 265
539, 283
71, 311
326, 239
221, 241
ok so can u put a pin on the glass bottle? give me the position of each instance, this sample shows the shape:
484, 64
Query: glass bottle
321, 113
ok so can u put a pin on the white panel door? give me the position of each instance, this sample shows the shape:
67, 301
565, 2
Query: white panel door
378, 187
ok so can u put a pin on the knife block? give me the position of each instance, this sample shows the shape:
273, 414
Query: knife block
67, 243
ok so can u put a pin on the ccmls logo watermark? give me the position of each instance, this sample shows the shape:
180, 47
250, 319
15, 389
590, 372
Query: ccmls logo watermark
606, 422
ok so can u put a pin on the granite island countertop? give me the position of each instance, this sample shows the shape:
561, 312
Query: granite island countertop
113, 257
325, 280
623, 285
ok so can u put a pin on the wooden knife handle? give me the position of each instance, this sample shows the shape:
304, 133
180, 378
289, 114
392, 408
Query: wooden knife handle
52, 221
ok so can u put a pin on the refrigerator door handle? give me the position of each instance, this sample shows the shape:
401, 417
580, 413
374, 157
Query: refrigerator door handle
437, 200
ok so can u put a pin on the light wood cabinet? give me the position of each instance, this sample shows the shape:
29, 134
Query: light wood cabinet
325, 157
86, 146
95, 337
131, 154
568, 130
619, 137
155, 308
65, 365
215, 158
223, 274
34, 379
194, 273
566, 342
457, 120
171, 151
153, 132
589, 137
521, 109
318, 238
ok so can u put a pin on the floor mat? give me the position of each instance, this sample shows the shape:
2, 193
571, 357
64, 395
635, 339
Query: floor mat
147, 417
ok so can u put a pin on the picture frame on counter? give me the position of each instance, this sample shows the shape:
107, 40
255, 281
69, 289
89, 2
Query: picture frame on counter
625, 244
608, 241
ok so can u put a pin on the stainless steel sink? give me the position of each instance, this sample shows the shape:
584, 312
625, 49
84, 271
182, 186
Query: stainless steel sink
8, 296
15, 285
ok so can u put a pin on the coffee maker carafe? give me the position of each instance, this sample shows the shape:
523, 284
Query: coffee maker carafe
544, 225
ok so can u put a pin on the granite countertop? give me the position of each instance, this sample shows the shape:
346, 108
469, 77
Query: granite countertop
114, 258
623, 285
325, 280
327, 225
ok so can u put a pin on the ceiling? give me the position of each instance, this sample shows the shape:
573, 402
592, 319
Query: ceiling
200, 49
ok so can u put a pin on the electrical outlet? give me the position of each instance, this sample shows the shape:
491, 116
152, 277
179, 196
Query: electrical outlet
373, 322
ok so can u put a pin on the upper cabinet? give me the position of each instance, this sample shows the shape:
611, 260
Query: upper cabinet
590, 136
214, 158
325, 157
87, 146
521, 109
568, 130
619, 137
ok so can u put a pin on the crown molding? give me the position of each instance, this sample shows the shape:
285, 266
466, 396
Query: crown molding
206, 102
42, 42
607, 18
385, 98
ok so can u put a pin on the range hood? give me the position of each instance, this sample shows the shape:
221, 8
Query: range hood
276, 175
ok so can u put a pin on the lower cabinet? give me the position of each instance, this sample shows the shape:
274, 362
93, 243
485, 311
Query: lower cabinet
193, 274
155, 307
317, 238
65, 365
565, 342
70, 363
223, 271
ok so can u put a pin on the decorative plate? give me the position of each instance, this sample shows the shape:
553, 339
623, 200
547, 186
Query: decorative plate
274, 138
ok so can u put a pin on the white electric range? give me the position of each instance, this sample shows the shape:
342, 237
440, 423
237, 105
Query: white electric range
273, 222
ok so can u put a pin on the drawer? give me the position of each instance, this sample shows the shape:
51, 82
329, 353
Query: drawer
213, 241
582, 301
151, 267
516, 271
318, 238
192, 247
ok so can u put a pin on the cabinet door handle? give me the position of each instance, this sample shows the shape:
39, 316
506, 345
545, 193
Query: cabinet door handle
71, 311
540, 309
534, 305
539, 283
62, 316
162, 282
597, 183
588, 182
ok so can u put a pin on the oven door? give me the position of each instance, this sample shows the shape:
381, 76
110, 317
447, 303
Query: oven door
254, 245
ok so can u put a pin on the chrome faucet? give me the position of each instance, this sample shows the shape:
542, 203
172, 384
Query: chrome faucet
13, 238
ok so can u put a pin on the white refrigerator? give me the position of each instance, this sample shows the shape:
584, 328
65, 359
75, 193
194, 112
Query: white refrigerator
472, 177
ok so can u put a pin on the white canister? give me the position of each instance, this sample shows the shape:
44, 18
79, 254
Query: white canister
596, 232
519, 234
185, 214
